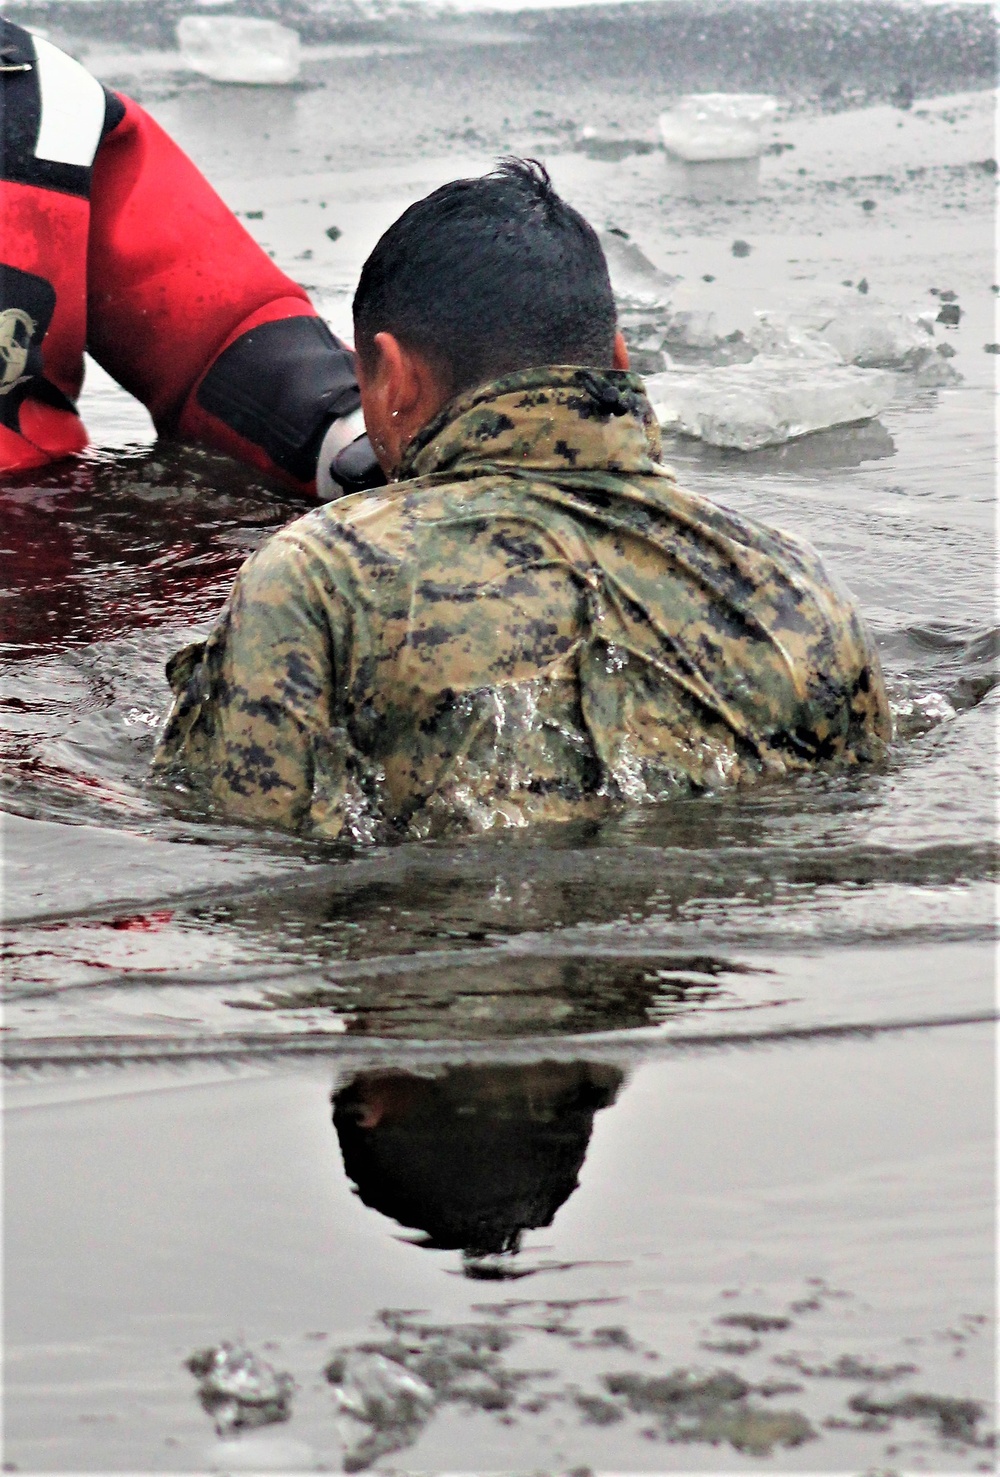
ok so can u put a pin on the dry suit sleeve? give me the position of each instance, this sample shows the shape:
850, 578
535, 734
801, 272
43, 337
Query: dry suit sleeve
190, 315
254, 722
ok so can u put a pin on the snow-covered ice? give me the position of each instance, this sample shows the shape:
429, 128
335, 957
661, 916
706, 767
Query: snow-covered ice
230, 48
768, 401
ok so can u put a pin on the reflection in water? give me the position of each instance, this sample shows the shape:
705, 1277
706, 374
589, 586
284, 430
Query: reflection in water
496, 993
475, 1156
103, 561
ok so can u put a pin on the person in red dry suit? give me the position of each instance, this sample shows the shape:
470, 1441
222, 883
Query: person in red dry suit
113, 242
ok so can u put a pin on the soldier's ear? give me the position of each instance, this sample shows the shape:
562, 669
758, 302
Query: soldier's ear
378, 383
620, 356
390, 376
403, 394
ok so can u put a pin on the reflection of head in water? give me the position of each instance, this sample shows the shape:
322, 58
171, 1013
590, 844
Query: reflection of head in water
476, 1155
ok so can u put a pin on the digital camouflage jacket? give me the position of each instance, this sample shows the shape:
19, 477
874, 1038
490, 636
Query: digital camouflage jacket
536, 623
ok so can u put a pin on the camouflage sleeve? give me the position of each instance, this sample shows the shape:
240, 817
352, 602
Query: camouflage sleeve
253, 723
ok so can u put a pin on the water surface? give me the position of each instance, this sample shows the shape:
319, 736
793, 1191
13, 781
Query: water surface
757, 1028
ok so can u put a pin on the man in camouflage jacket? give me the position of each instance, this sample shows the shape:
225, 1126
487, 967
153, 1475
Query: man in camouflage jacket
532, 621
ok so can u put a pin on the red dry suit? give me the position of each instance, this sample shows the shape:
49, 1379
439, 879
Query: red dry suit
111, 240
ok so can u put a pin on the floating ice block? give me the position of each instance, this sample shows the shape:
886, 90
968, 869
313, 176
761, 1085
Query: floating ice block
634, 278
867, 334
611, 145
768, 401
708, 127
230, 48
691, 328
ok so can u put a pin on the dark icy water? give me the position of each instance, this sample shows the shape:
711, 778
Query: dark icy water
675, 1135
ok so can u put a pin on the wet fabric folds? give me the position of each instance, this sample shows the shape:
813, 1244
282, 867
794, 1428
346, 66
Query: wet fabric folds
535, 623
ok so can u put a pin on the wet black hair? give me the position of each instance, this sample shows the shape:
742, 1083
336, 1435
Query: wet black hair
479, 1155
489, 275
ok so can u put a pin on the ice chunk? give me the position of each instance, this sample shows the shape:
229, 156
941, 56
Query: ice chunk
712, 126
231, 48
680, 336
611, 146
792, 335
635, 280
373, 1388
867, 334
714, 142
384, 1403
237, 1389
691, 328
647, 361
768, 401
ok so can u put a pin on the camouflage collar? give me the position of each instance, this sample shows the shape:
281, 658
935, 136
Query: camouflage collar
556, 418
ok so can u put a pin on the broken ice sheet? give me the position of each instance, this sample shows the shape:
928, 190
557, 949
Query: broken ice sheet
865, 333
685, 336
768, 401
635, 280
238, 1390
